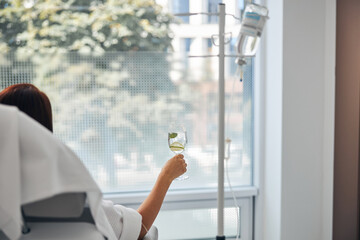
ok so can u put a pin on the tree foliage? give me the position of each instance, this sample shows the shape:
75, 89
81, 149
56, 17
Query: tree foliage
85, 26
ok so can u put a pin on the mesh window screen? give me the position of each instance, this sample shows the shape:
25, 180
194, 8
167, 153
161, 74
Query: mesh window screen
114, 111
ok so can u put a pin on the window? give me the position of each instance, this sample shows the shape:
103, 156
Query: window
114, 110
181, 6
213, 8
113, 97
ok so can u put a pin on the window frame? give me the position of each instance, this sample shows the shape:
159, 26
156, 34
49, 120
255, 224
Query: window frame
199, 199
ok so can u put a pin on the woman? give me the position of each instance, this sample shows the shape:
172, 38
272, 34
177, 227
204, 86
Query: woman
36, 104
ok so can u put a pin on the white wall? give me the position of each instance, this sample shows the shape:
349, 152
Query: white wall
298, 119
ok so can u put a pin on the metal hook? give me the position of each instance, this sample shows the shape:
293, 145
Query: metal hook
227, 40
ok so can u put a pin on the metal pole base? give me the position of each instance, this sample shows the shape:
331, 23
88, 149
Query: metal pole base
220, 237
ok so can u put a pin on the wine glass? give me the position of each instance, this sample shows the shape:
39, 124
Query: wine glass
177, 140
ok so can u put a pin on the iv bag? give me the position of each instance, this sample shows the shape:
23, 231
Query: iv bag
252, 24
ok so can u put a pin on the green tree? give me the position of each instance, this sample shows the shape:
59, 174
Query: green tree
85, 26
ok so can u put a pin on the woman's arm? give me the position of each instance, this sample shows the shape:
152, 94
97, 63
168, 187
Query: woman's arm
150, 208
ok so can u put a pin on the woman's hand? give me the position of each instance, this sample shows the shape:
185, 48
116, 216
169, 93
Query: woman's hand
174, 167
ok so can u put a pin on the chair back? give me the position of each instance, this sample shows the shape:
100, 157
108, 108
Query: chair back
66, 205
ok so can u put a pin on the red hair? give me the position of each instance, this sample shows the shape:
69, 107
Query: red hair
30, 100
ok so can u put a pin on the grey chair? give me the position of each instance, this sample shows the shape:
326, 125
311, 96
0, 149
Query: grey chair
63, 216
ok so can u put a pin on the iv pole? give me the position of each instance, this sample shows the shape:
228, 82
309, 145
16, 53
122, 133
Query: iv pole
221, 117
221, 137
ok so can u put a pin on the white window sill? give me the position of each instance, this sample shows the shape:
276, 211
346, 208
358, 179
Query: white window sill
189, 199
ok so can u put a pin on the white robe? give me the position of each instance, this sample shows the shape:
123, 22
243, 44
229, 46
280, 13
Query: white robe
35, 165
126, 222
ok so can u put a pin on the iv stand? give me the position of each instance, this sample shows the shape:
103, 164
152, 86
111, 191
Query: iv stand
221, 137
221, 118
